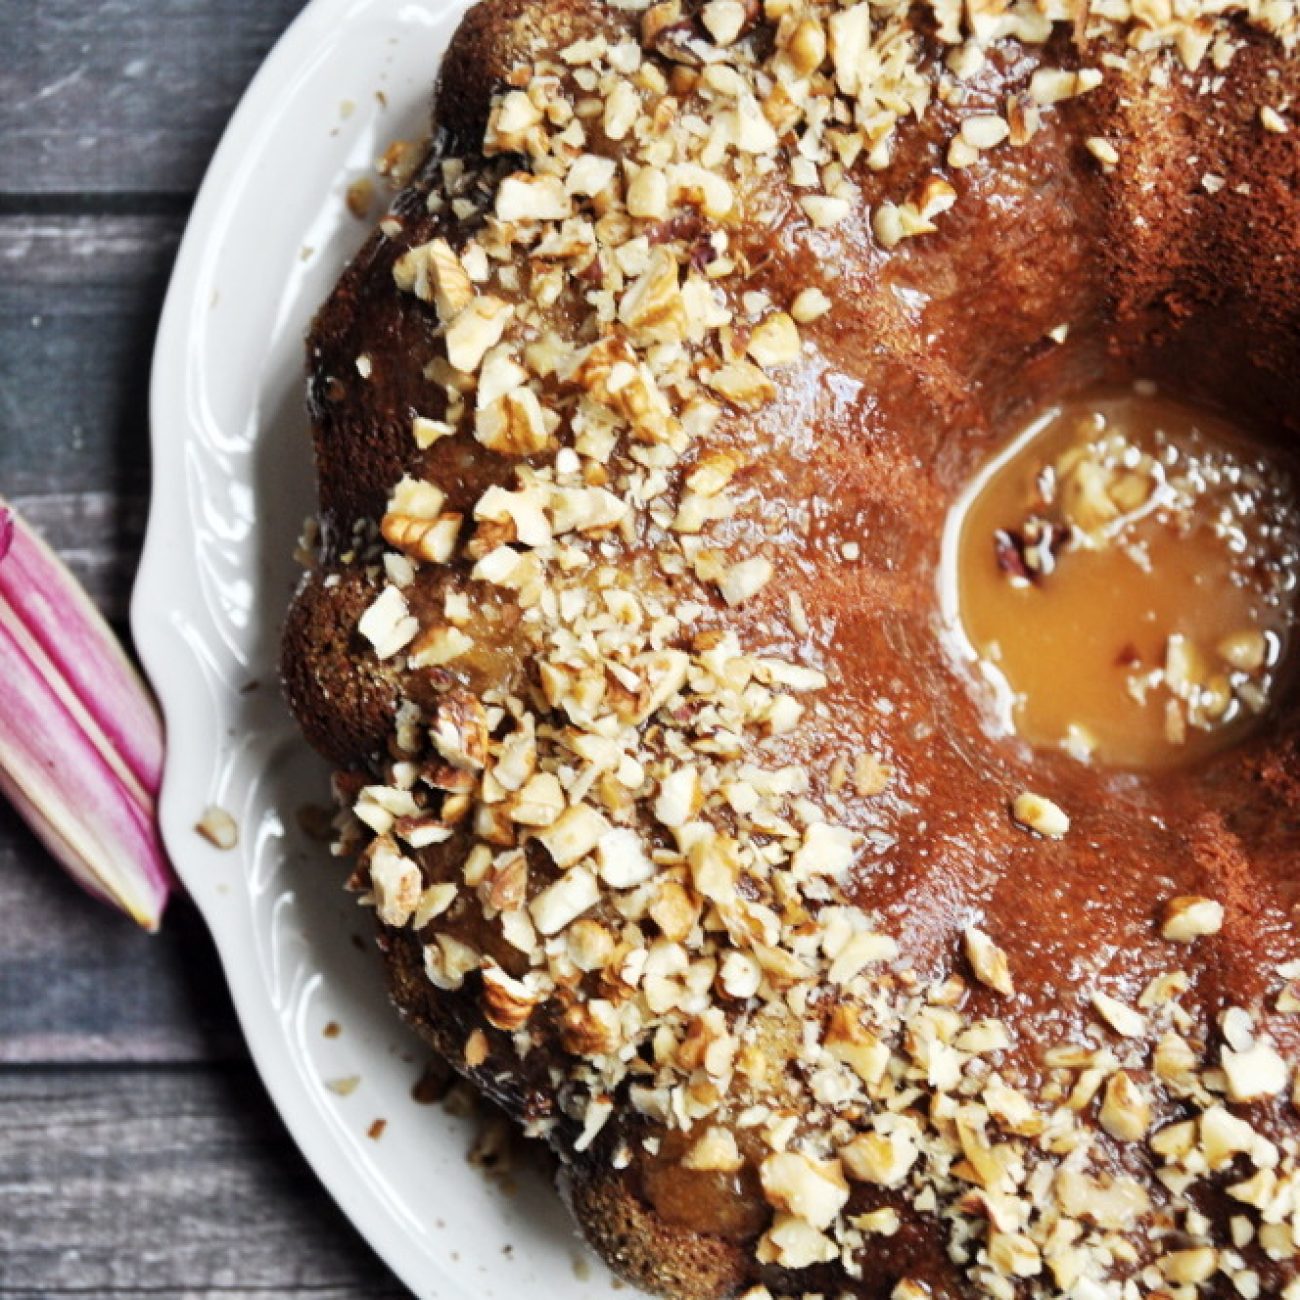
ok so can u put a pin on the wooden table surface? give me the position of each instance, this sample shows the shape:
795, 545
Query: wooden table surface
139, 1155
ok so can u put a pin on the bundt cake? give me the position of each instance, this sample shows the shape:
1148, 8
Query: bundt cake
637, 424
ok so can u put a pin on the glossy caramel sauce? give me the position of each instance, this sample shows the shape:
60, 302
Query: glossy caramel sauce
728, 1205
1123, 578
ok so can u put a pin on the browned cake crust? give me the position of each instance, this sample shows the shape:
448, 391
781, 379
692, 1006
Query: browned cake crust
1175, 258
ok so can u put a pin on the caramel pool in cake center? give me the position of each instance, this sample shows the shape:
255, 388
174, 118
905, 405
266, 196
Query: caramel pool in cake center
1122, 577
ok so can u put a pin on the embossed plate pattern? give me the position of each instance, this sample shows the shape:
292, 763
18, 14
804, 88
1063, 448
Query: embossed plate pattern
232, 484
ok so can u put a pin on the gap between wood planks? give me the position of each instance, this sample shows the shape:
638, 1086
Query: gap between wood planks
130, 97
77, 203
139, 1156
79, 305
173, 1182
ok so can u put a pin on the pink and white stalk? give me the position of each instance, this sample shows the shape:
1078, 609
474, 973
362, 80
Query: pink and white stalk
81, 742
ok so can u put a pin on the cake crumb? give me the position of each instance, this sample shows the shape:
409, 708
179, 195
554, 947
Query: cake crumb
360, 198
218, 827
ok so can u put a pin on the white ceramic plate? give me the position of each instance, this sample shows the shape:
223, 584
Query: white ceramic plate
232, 483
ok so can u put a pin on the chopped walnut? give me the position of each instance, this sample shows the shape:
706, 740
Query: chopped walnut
1052, 85
573, 835
988, 961
218, 827
775, 341
882, 1158
508, 1003
475, 329
743, 383
715, 1151
433, 273
387, 623
1255, 1072
1189, 918
814, 1190
653, 307
1125, 1112
564, 901
1041, 815
1121, 1018
513, 424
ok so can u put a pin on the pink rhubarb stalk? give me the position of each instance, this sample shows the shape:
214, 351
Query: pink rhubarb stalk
80, 738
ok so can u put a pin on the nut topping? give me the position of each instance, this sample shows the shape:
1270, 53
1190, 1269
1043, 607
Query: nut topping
1189, 918
989, 962
650, 853
1040, 815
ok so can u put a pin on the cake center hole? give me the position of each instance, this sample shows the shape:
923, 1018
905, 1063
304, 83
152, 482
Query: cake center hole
1123, 577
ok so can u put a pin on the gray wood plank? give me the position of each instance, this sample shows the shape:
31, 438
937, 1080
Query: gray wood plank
126, 98
137, 1176
78, 982
232, 1292
165, 1183
79, 304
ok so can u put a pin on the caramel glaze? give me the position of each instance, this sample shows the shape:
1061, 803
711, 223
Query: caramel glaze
1064, 648
933, 353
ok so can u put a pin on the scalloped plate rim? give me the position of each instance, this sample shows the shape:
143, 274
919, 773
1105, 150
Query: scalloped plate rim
172, 636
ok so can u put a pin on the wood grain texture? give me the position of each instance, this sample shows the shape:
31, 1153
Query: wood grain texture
126, 100
79, 983
139, 1155
79, 305
124, 1182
